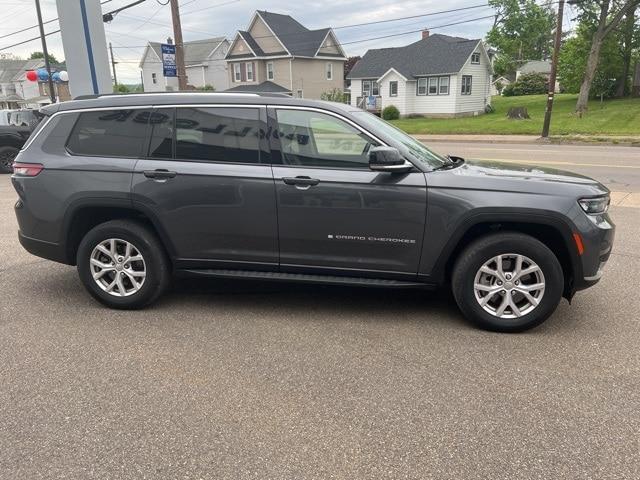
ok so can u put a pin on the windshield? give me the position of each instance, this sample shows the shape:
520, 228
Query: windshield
409, 145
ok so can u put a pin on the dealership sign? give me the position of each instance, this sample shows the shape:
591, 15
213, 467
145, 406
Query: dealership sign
169, 68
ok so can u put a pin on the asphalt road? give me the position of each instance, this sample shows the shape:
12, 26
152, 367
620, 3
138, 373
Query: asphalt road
615, 166
233, 380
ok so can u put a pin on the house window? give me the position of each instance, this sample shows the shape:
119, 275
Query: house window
422, 86
370, 87
475, 58
443, 86
393, 89
466, 85
237, 74
300, 94
269, 70
433, 85
249, 67
329, 71
154, 78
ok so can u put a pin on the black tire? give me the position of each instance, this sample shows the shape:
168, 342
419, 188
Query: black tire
158, 273
484, 249
7, 156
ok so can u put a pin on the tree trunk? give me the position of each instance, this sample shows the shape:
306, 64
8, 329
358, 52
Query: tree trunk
593, 60
589, 74
628, 29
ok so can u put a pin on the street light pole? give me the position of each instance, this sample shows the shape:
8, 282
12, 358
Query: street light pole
554, 71
177, 35
52, 93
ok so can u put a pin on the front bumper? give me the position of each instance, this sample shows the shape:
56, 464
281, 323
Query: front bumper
598, 234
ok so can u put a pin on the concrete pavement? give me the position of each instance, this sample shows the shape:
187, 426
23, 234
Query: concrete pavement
235, 380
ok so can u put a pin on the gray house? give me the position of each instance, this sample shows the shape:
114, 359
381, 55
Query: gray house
204, 65
438, 75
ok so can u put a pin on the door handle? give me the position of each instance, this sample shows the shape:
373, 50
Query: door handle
159, 174
301, 181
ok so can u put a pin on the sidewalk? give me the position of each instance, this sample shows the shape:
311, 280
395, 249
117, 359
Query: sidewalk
532, 139
478, 138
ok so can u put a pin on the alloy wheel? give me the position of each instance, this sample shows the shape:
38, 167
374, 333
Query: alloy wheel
118, 267
509, 286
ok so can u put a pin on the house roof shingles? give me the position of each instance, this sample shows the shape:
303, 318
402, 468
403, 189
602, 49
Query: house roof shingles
536, 66
296, 38
435, 55
264, 87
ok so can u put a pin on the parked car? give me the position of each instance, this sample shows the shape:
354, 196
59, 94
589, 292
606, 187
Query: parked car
14, 132
136, 189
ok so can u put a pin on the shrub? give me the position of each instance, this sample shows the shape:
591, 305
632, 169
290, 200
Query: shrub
391, 113
527, 84
335, 95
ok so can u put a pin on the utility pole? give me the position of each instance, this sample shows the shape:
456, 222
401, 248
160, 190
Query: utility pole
554, 71
177, 35
52, 93
113, 66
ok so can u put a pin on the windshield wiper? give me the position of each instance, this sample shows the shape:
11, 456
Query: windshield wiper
452, 162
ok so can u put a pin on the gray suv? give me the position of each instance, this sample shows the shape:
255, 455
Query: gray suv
137, 189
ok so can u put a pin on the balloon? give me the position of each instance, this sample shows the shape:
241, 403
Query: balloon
64, 76
42, 74
32, 76
55, 77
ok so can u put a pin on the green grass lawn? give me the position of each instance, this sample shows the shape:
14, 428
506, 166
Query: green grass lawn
613, 117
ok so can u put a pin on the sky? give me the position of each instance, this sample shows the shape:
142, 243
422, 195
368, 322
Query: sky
150, 21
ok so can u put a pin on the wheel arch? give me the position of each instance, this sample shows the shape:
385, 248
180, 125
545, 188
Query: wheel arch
85, 215
555, 232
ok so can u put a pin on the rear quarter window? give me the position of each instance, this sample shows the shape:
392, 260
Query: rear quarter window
110, 133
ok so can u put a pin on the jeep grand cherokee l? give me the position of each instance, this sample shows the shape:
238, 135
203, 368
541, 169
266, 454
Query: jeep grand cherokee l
135, 189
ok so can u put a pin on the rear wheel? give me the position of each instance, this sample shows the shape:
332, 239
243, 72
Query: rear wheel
507, 282
123, 265
7, 156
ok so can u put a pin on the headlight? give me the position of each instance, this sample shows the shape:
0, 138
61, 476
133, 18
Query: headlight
595, 206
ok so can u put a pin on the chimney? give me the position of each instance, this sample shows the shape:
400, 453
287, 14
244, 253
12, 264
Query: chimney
425, 33
170, 41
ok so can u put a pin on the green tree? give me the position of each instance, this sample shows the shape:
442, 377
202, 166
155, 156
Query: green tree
36, 55
606, 15
573, 62
121, 88
522, 30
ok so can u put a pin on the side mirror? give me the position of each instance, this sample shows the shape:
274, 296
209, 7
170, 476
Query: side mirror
387, 159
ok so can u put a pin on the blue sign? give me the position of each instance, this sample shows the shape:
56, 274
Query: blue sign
169, 67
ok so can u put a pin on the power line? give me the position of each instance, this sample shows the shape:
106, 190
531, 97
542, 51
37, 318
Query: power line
398, 34
112, 12
43, 23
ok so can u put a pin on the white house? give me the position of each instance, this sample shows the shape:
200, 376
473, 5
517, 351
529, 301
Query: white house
438, 76
542, 67
18, 92
204, 64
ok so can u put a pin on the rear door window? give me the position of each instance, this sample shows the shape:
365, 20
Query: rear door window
220, 134
110, 133
161, 144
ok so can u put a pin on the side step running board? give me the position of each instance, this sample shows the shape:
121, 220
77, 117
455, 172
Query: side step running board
304, 278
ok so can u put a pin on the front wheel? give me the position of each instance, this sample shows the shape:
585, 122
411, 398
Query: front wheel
123, 265
7, 156
507, 282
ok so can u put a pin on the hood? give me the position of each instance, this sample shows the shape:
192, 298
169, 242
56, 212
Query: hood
521, 171
517, 177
